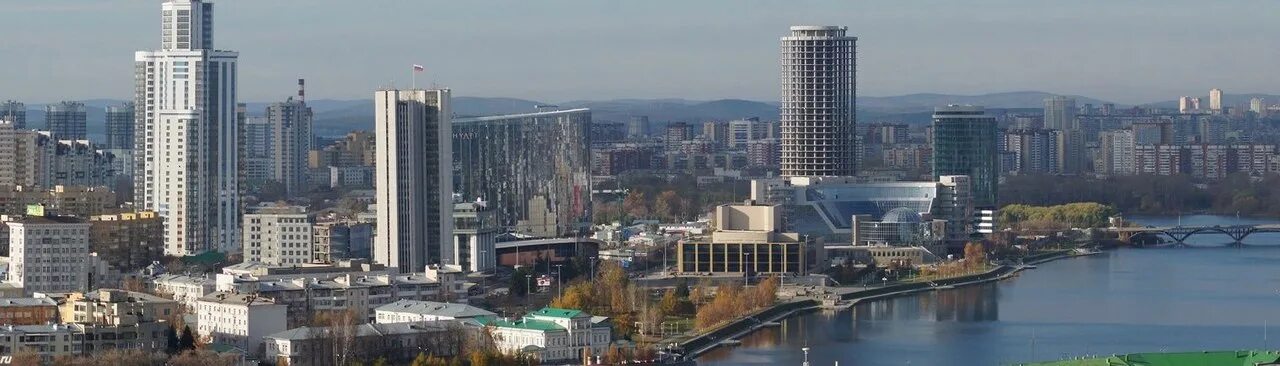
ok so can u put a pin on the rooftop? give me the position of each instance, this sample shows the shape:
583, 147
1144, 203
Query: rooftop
557, 313
518, 116
443, 309
372, 329
26, 301
237, 299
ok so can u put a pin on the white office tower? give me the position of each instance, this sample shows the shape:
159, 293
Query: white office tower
1215, 99
819, 75
185, 145
414, 179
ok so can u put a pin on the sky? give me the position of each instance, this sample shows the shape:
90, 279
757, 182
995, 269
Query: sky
559, 50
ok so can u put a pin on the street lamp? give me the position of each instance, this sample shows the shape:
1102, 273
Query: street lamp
746, 274
559, 290
593, 268
528, 284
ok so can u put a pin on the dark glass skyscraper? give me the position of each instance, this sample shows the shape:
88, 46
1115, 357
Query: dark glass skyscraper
120, 126
67, 121
533, 169
14, 111
964, 143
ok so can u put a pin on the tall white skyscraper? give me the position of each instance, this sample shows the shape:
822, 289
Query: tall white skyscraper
819, 76
1215, 100
186, 131
414, 178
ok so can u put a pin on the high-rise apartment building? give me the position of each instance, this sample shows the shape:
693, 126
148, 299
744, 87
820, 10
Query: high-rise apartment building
745, 130
414, 178
677, 133
1035, 151
1116, 151
1188, 104
120, 126
1215, 100
186, 133
292, 138
14, 111
964, 143
638, 127
67, 120
819, 78
256, 151
1257, 106
1059, 113
48, 253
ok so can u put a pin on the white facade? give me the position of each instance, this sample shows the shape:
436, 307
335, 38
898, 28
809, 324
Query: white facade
184, 289
414, 178
557, 334
240, 320
278, 238
1215, 99
186, 148
819, 78
743, 131
49, 254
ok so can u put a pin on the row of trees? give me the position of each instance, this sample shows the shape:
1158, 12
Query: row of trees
1079, 214
130, 357
657, 197
1151, 194
732, 301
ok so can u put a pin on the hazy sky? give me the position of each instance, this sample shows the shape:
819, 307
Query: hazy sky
551, 50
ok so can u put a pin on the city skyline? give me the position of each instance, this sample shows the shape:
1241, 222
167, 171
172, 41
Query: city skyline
704, 51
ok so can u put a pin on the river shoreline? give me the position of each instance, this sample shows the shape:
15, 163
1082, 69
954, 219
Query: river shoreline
701, 344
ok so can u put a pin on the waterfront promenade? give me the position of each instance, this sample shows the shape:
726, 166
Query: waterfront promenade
712, 338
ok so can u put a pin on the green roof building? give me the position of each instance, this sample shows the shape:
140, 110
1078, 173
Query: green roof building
552, 334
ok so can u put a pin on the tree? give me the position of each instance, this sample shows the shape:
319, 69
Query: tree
172, 343
334, 336
636, 205
670, 302
975, 255
669, 205
519, 286
188, 340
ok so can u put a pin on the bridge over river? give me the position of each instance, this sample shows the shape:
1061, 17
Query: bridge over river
1179, 234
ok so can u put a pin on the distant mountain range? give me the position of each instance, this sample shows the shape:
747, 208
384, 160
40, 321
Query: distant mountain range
337, 117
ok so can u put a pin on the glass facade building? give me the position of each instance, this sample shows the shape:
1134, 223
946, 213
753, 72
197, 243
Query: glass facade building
533, 169
120, 126
964, 143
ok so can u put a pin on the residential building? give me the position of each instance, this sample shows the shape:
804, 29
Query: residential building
398, 343
186, 290
964, 143
46, 340
413, 311
355, 286
1215, 100
15, 112
337, 240
127, 241
1116, 153
414, 178
116, 308
356, 148
257, 150
676, 134
278, 236
763, 153
35, 158
474, 234
553, 335
186, 148
1188, 105
819, 95
120, 126
28, 311
533, 169
352, 177
239, 320
291, 142
749, 239
66, 121
638, 127
1257, 106
1203, 161
48, 253
744, 131
1035, 151
887, 133
1059, 113
715, 132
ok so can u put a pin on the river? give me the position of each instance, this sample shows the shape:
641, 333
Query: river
1128, 300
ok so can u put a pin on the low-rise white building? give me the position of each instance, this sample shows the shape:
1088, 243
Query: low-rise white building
553, 334
278, 236
182, 288
398, 343
404, 311
239, 320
